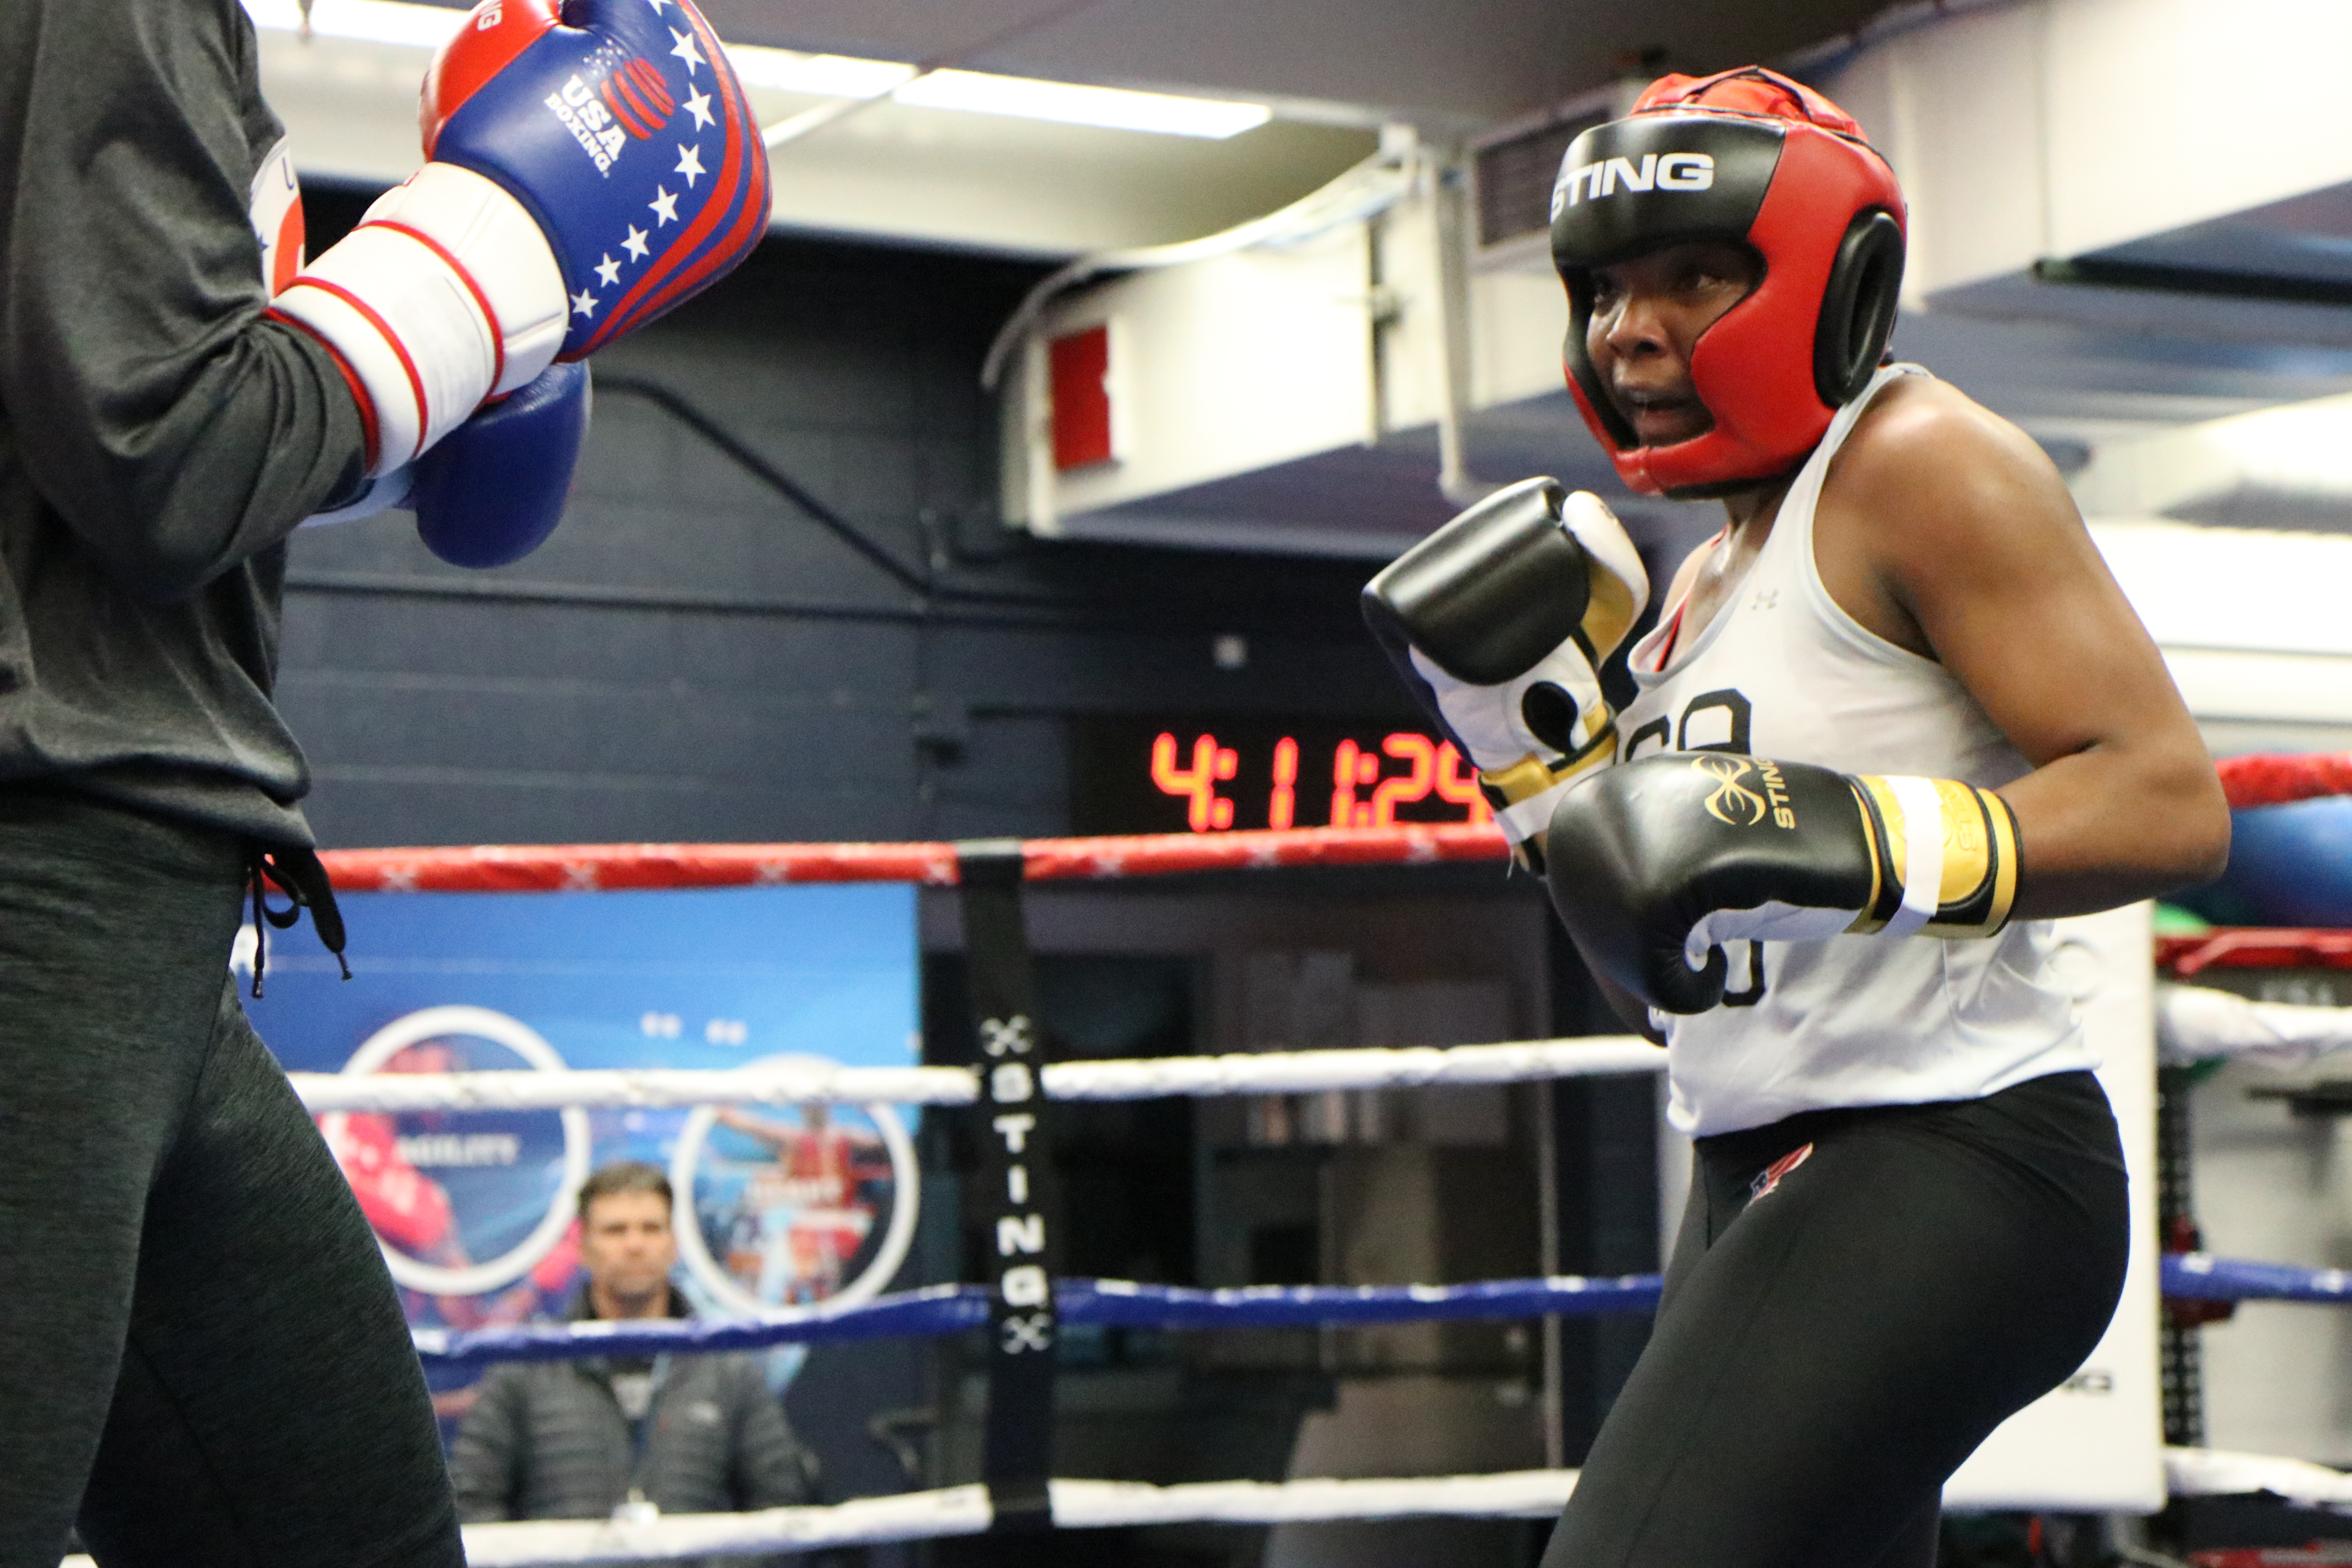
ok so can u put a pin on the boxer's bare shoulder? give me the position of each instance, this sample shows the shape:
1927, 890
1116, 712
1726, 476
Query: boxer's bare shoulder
1932, 493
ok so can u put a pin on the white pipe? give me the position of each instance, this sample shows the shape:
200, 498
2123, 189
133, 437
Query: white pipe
1370, 188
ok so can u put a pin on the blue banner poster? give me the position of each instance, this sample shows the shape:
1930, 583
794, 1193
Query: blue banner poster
777, 1206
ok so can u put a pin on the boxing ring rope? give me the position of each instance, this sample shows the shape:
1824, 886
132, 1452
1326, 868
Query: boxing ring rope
1100, 1303
1086, 1505
611, 868
1091, 1505
1125, 1304
1283, 1072
2279, 778
950, 1309
2249, 780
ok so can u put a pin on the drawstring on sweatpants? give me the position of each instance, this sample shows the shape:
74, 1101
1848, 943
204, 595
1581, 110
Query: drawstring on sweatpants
298, 875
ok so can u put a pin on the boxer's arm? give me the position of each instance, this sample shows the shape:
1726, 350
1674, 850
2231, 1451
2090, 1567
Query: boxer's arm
1977, 556
175, 429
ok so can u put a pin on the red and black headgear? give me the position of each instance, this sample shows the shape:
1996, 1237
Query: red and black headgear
1748, 157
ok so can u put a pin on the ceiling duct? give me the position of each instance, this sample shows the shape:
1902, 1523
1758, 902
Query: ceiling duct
2278, 469
1516, 175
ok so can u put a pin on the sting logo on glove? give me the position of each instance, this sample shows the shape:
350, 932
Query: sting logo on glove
1654, 865
1734, 805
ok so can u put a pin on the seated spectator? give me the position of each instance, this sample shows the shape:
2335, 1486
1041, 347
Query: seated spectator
580, 1440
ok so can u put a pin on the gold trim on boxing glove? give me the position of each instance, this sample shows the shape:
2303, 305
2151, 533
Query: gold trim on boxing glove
1610, 612
1531, 775
1979, 884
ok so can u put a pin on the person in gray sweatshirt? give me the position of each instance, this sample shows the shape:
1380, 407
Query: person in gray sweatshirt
205, 1358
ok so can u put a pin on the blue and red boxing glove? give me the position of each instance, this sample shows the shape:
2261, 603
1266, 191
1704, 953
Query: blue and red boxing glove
592, 164
491, 492
495, 489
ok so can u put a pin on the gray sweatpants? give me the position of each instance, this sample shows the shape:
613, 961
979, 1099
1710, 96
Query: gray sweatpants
201, 1355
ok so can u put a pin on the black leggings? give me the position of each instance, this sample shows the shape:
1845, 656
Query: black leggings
1840, 1331
202, 1353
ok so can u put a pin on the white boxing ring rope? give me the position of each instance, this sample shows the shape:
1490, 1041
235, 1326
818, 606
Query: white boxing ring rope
1089, 1505
2192, 1024
1276, 1072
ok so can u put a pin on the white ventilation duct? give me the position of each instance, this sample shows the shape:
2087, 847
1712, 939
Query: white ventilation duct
2279, 468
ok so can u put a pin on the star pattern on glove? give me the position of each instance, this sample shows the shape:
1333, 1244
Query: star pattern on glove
635, 245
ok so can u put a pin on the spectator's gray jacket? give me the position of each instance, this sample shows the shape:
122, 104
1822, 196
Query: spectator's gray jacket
549, 1441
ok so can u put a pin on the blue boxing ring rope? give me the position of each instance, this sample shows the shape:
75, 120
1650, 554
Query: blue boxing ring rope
1124, 1304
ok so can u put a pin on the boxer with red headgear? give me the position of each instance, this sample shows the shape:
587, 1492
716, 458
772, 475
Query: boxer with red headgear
1752, 159
1895, 716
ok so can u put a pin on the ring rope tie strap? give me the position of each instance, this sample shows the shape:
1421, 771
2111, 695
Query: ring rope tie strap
1018, 1186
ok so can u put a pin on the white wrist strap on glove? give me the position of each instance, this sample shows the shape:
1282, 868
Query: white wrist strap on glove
381, 493
447, 294
1527, 815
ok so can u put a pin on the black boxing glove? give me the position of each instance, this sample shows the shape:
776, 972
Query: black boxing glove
1498, 623
1653, 864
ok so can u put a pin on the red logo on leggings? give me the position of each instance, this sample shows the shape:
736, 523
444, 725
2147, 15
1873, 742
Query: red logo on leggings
1769, 1176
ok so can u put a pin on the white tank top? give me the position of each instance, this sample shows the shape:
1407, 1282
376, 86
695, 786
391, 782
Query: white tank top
1783, 672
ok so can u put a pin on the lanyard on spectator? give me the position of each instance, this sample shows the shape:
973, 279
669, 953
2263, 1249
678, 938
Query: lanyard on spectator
641, 1423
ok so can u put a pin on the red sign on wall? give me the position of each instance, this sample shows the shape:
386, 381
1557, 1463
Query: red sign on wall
1081, 386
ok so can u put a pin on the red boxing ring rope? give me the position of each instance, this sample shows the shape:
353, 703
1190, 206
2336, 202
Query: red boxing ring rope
2262, 780
581, 868
2275, 779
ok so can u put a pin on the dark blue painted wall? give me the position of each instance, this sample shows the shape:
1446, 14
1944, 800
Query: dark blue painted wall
692, 657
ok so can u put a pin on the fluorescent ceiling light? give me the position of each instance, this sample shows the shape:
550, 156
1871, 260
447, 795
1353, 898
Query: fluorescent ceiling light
1114, 107
365, 21
828, 76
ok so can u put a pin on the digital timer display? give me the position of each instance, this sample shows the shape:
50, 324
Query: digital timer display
1213, 776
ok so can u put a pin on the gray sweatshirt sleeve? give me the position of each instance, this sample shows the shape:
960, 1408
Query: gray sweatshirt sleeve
175, 429
486, 1458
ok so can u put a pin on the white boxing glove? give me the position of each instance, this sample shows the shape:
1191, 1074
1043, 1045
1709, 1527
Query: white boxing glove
1499, 622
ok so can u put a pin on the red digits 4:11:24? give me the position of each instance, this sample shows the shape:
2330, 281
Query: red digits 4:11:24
1430, 767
